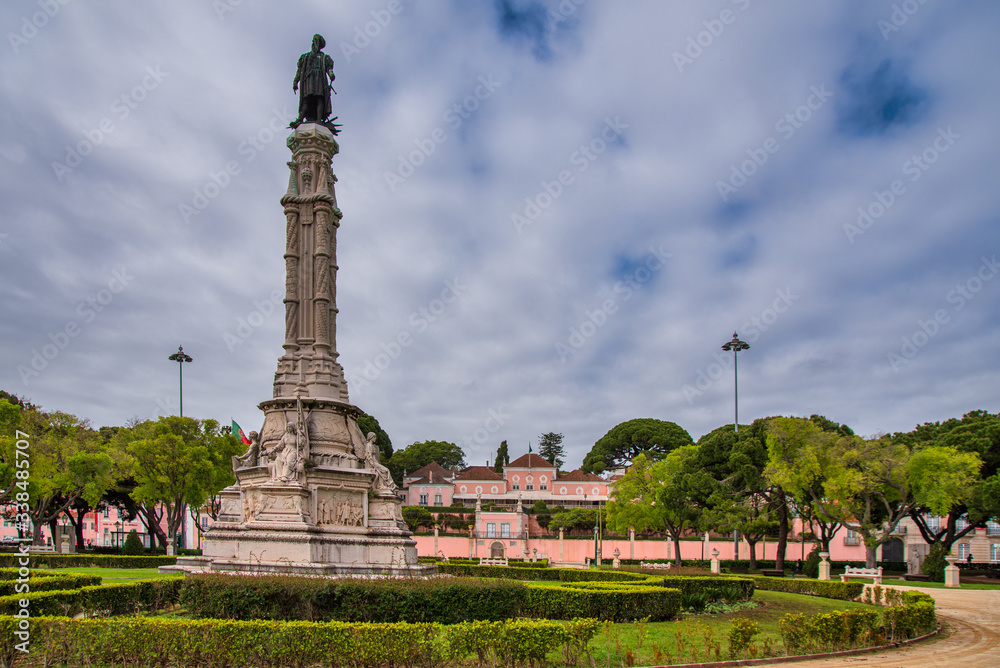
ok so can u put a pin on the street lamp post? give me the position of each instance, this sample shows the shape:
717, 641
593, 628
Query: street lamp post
736, 346
180, 357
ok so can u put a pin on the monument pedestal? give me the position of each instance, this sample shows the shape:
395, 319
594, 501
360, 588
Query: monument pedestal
311, 495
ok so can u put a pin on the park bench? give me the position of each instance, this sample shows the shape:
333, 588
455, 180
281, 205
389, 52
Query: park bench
743, 570
667, 566
41, 548
850, 572
914, 577
500, 561
772, 573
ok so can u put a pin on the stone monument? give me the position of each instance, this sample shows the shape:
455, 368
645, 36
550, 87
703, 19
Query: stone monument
311, 495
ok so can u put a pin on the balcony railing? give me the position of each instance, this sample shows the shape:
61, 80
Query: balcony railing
852, 540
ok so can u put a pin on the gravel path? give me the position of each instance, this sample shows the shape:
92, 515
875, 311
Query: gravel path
970, 637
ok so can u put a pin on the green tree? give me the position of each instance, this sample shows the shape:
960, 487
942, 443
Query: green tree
550, 448
656, 496
417, 516
179, 462
416, 455
626, 441
368, 424
976, 432
868, 485
576, 518
798, 452
503, 458
67, 463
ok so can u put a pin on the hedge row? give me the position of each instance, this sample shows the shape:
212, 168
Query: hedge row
15, 573
223, 644
82, 560
59, 582
446, 601
605, 601
115, 599
845, 629
538, 574
844, 591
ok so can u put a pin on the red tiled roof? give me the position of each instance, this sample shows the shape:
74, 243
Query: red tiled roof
431, 478
530, 460
427, 469
478, 473
579, 476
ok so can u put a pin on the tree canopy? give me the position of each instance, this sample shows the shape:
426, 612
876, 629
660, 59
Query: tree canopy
180, 462
623, 443
416, 455
550, 448
367, 424
503, 457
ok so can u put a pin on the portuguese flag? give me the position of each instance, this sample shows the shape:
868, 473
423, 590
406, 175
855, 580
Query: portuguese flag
239, 432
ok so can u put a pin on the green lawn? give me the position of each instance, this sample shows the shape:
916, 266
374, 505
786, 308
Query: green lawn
691, 639
115, 575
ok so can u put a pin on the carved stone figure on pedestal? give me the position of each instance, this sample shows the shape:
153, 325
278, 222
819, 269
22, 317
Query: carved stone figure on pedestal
251, 457
286, 452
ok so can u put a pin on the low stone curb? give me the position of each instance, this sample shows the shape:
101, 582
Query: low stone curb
801, 657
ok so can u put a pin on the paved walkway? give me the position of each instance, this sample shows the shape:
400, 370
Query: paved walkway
970, 637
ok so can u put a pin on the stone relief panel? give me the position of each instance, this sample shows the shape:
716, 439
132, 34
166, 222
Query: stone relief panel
339, 509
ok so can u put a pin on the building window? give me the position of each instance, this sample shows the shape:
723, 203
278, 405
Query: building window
961, 524
491, 529
529, 487
995, 552
107, 512
851, 538
204, 522
963, 551
437, 500
505, 530
423, 499
543, 487
516, 486
993, 528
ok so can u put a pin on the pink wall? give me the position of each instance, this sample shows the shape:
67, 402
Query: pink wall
575, 550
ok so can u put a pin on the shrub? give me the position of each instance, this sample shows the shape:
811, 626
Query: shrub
223, 644
82, 560
811, 566
133, 544
532, 572
934, 563
116, 599
844, 591
606, 601
741, 635
446, 601
60, 581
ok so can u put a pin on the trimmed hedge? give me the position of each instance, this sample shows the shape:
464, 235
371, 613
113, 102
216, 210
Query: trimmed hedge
843, 591
539, 574
265, 644
115, 599
446, 601
15, 573
83, 560
59, 582
846, 629
605, 601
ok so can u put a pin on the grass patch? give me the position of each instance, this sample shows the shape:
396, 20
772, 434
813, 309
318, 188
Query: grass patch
693, 638
115, 575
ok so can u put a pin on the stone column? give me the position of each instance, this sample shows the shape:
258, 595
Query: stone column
435, 540
631, 543
824, 566
715, 564
952, 577
560, 545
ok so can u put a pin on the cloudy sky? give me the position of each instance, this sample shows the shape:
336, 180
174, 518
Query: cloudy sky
563, 208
